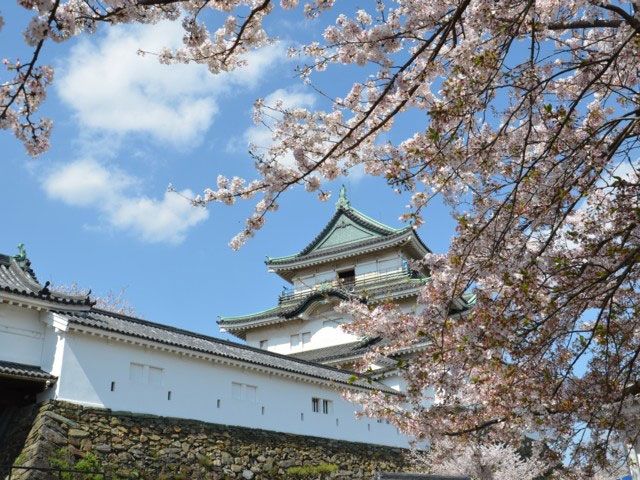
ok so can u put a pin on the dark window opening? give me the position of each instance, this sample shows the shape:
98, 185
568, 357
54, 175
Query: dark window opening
347, 276
113, 386
315, 405
169, 395
218, 403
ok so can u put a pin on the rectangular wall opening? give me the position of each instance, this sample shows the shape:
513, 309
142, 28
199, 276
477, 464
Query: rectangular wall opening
347, 276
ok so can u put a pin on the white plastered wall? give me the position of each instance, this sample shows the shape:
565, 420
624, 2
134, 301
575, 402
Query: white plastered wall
321, 321
91, 364
21, 335
323, 327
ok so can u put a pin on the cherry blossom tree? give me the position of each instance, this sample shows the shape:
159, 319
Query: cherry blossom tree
479, 461
531, 117
111, 301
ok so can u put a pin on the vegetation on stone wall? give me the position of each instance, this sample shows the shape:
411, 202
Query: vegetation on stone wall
64, 460
312, 471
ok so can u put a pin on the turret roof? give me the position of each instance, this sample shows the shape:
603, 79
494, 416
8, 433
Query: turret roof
17, 277
348, 233
404, 286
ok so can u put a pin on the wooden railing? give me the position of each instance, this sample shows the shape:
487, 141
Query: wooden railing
361, 282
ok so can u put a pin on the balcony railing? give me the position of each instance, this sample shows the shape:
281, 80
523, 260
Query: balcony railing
360, 283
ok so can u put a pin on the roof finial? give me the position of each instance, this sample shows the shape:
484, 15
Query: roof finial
21, 258
343, 201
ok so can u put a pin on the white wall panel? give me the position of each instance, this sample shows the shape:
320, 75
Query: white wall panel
21, 335
196, 385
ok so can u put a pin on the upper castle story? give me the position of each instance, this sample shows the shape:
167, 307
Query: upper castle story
353, 254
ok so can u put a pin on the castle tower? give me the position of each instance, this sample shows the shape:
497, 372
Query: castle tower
352, 254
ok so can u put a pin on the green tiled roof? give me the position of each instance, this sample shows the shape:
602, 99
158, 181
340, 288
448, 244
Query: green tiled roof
289, 309
347, 226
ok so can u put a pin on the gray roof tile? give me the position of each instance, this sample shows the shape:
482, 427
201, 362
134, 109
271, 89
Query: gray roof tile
21, 280
12, 369
193, 341
335, 352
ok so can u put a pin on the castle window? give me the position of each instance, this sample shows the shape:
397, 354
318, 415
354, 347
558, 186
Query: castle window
347, 276
236, 391
264, 344
242, 391
136, 372
145, 374
113, 386
306, 338
250, 393
295, 340
326, 405
155, 376
169, 395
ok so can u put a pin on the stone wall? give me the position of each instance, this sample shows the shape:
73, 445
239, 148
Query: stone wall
126, 445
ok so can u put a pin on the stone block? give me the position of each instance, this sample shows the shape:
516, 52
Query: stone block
247, 474
77, 433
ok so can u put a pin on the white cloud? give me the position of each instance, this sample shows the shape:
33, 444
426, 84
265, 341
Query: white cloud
111, 88
87, 183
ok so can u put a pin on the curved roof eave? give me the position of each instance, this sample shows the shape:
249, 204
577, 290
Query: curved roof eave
289, 264
280, 314
19, 279
242, 324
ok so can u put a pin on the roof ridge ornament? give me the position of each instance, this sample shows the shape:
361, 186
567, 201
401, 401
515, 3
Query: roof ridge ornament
21, 258
343, 201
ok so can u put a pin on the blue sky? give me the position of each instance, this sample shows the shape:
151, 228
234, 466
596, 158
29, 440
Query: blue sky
94, 209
